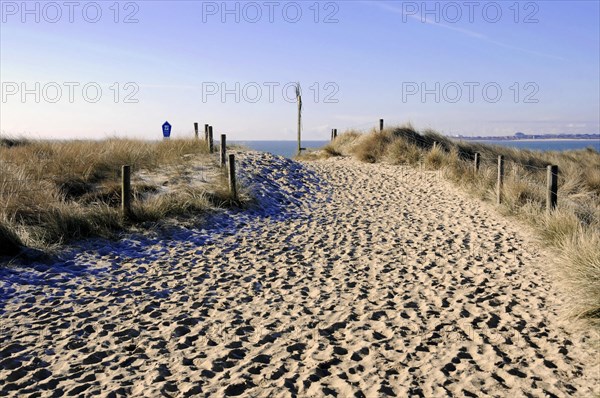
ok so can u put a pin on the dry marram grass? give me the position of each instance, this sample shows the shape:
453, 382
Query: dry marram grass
54, 192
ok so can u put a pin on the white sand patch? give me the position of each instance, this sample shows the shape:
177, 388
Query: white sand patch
197, 173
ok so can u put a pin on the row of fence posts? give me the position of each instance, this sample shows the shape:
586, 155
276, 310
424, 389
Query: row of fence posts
334, 131
551, 181
208, 135
224, 160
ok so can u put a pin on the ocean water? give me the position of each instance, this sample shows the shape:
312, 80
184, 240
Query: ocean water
288, 149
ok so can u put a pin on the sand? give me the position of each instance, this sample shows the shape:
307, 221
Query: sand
350, 280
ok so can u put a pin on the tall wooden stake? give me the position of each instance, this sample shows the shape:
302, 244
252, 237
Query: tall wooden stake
552, 188
232, 184
126, 191
500, 179
196, 129
299, 100
477, 161
223, 149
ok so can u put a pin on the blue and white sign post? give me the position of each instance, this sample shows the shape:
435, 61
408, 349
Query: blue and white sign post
166, 129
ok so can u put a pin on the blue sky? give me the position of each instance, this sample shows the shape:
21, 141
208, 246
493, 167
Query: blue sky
470, 68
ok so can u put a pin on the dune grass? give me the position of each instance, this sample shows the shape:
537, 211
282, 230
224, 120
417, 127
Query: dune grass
572, 229
55, 192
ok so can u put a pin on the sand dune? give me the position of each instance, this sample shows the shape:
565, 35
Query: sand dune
350, 280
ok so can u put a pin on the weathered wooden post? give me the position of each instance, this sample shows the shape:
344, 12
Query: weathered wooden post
552, 188
126, 190
232, 184
196, 129
299, 100
477, 162
334, 134
223, 145
210, 139
500, 179
380, 124
206, 132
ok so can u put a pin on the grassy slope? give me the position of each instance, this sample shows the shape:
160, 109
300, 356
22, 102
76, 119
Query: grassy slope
54, 192
573, 228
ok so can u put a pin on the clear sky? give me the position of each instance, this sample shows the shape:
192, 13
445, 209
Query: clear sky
465, 67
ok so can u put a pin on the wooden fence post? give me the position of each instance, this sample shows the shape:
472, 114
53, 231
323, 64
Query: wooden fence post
196, 129
500, 179
126, 190
206, 132
334, 134
380, 124
552, 188
210, 139
223, 149
232, 184
477, 162
331, 134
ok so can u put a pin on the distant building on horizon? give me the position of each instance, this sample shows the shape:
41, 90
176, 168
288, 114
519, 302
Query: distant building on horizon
522, 136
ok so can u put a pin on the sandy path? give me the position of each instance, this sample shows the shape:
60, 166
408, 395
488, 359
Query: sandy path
353, 280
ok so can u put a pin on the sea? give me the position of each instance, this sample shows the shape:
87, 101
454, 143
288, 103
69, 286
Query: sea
289, 149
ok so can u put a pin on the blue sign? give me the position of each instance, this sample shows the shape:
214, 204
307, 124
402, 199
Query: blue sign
166, 130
